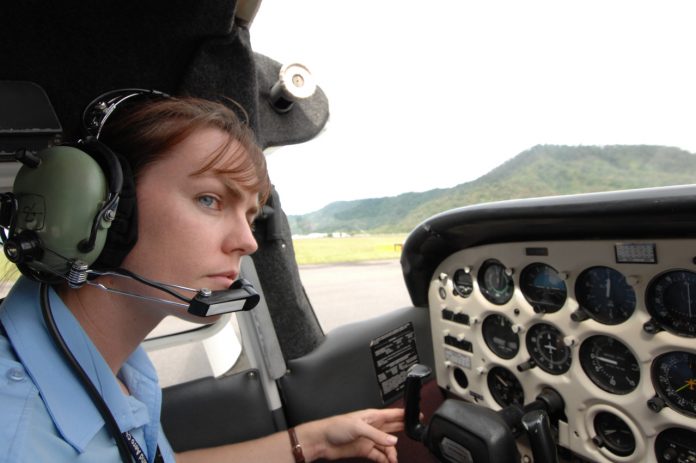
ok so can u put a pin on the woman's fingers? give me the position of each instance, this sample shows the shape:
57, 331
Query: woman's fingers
378, 416
376, 435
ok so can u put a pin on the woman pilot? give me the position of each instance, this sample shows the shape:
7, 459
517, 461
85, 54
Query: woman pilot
195, 168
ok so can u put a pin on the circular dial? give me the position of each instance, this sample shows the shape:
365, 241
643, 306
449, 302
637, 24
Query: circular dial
545, 345
609, 364
671, 300
614, 434
499, 337
674, 378
495, 282
505, 388
676, 445
543, 288
605, 295
463, 283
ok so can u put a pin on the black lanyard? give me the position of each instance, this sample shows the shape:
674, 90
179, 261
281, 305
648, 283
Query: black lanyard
137, 451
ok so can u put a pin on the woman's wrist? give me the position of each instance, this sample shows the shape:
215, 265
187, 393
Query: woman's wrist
308, 441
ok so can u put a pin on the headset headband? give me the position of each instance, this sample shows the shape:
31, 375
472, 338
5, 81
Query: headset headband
98, 111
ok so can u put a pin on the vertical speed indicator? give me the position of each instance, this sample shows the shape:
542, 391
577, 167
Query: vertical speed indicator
671, 300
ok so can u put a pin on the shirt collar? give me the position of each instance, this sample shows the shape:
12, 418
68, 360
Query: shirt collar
69, 405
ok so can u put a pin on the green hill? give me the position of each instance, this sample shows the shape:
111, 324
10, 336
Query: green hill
544, 170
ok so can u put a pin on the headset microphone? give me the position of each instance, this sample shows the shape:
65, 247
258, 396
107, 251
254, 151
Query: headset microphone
240, 296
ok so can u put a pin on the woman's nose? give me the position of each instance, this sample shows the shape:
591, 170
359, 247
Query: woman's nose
240, 238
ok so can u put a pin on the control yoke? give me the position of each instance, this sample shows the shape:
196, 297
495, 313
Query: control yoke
461, 432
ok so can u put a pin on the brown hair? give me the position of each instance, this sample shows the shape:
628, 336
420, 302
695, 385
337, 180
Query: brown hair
144, 133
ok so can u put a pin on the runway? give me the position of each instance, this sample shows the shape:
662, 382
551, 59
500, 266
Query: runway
348, 292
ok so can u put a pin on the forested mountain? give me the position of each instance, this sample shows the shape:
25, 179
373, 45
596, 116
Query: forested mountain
544, 170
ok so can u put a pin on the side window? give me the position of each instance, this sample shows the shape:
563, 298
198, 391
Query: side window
183, 351
349, 278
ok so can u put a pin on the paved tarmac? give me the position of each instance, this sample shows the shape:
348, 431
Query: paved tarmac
348, 292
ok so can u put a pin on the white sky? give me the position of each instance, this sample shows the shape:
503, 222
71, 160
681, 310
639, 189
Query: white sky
431, 94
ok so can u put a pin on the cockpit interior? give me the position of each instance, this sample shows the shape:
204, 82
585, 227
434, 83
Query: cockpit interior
540, 330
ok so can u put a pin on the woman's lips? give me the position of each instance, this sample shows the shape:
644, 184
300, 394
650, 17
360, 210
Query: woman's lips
223, 280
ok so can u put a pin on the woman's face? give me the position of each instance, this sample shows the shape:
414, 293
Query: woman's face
193, 229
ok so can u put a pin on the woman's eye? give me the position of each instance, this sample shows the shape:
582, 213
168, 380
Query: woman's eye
208, 201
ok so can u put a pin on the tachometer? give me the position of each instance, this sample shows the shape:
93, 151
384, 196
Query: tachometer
495, 282
604, 295
671, 300
505, 388
499, 337
543, 288
674, 378
609, 364
545, 345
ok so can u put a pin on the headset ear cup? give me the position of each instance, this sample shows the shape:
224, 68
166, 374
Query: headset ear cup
58, 200
123, 232
107, 160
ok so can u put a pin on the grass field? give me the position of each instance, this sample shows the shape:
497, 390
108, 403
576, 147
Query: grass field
351, 249
315, 250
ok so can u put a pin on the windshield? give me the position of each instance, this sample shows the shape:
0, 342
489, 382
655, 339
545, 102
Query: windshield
489, 100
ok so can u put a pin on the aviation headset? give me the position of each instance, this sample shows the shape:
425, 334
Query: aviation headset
74, 202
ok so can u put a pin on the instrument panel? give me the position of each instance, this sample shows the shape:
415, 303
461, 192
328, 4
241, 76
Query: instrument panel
609, 325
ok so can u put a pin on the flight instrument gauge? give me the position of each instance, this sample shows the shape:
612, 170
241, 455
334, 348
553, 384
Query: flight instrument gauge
505, 388
499, 337
671, 300
609, 364
674, 378
543, 288
614, 434
605, 295
495, 282
463, 283
545, 345
676, 445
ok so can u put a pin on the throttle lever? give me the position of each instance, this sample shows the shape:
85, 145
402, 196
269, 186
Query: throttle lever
414, 381
538, 427
458, 431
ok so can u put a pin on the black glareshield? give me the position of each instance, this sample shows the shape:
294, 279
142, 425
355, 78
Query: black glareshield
28, 121
240, 296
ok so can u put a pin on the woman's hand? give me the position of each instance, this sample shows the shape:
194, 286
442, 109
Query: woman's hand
358, 434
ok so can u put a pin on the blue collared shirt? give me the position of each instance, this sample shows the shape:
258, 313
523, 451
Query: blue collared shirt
45, 413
